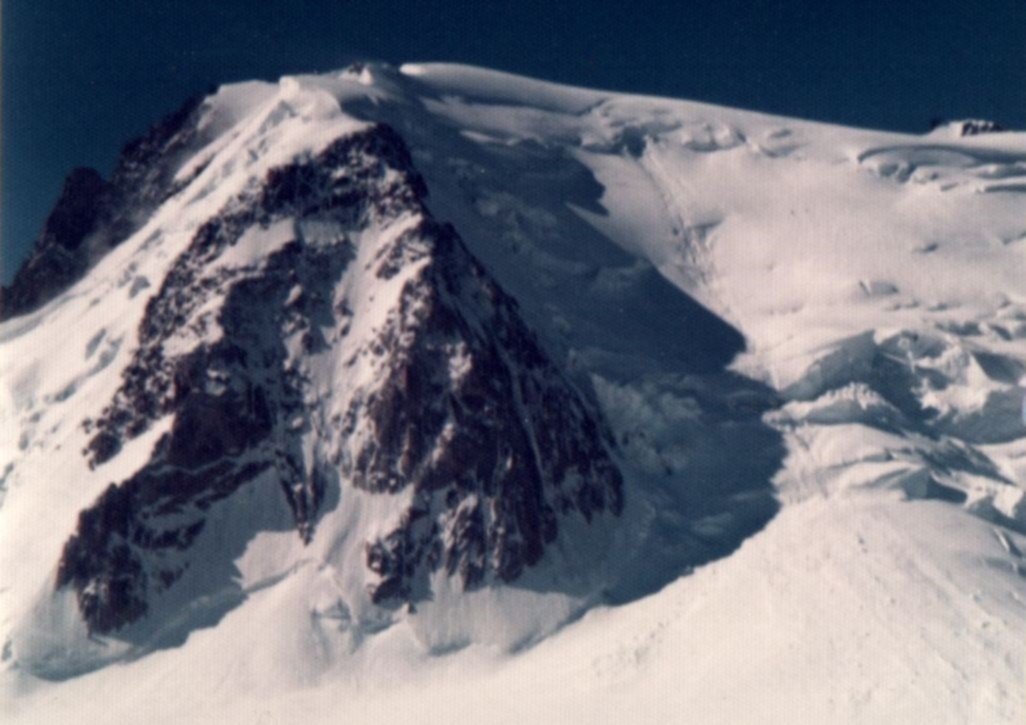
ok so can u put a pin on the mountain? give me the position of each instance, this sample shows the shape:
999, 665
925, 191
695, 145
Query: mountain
93, 214
415, 390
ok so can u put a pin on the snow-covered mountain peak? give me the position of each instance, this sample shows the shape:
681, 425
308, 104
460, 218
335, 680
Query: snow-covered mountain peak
368, 367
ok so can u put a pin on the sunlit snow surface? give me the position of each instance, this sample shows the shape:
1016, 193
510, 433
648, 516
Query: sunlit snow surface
879, 283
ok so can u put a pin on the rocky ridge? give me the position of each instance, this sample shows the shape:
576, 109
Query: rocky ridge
92, 214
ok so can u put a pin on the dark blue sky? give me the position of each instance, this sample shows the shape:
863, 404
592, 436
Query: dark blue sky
82, 77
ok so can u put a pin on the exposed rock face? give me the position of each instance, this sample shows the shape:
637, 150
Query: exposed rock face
440, 393
975, 127
58, 258
93, 215
968, 126
473, 416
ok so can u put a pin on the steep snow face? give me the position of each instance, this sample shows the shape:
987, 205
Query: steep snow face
762, 312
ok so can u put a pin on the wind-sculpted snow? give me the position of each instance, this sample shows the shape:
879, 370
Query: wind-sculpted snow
948, 167
940, 401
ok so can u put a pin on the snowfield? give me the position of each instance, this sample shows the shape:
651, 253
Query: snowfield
808, 343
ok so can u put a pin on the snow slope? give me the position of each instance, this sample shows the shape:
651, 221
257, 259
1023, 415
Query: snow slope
767, 312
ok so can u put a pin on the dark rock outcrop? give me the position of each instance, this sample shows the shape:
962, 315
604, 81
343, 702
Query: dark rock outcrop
976, 127
472, 415
969, 126
59, 257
